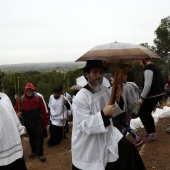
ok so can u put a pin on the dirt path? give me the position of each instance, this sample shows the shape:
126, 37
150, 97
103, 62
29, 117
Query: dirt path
58, 157
155, 154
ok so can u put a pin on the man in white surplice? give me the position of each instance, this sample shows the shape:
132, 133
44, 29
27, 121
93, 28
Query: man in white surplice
58, 108
96, 143
11, 130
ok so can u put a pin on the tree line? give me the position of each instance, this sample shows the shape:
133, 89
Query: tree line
14, 83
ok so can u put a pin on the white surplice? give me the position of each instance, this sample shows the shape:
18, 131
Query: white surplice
93, 144
58, 110
10, 132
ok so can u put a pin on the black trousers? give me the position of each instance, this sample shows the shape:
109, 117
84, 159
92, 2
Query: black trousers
119, 120
36, 137
19, 164
66, 128
129, 158
145, 113
56, 135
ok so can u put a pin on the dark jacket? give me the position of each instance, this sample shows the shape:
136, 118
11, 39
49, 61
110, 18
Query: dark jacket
33, 108
157, 86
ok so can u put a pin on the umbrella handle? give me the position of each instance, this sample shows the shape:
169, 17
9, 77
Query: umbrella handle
117, 88
114, 88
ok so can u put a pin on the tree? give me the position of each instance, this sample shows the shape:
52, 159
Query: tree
152, 48
162, 40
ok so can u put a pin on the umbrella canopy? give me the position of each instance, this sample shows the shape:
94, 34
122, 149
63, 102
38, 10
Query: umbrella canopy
76, 87
113, 54
81, 81
118, 51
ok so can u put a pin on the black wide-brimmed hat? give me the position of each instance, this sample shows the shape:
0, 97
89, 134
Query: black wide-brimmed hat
90, 64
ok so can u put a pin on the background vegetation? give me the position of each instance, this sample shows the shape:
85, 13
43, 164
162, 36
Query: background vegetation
45, 82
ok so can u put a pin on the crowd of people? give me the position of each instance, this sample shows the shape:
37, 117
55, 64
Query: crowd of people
99, 129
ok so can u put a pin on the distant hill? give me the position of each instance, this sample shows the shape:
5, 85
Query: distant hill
42, 67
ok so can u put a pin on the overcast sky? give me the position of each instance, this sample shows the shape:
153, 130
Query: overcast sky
34, 31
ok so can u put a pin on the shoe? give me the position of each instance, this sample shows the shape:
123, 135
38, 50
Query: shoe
150, 137
32, 155
42, 158
168, 130
137, 143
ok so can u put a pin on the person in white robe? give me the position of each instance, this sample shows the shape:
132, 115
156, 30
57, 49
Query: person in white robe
11, 150
68, 96
58, 116
96, 143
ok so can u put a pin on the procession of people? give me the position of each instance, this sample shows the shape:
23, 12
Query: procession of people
98, 139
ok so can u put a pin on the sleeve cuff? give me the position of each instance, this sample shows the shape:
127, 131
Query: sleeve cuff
142, 97
105, 119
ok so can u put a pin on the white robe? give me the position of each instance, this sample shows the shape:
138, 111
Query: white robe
93, 144
10, 132
43, 101
58, 110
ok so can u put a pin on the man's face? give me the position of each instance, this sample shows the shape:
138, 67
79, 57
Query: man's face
95, 77
56, 95
29, 92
